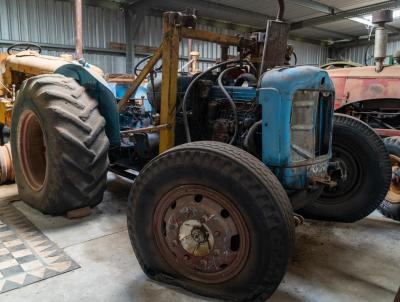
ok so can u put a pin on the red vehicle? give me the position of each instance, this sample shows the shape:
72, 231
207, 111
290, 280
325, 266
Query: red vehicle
374, 97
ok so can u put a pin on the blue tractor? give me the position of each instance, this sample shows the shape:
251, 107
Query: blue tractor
223, 158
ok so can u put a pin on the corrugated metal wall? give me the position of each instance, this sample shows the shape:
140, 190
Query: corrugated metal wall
52, 22
357, 53
310, 54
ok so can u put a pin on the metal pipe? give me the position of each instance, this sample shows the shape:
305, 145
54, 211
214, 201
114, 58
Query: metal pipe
281, 10
78, 30
380, 18
381, 41
190, 49
190, 46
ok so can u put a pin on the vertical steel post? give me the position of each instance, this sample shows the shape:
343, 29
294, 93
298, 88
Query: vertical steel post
224, 53
78, 30
130, 55
190, 49
170, 59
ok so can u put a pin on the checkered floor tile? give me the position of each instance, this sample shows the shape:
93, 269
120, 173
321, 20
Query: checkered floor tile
26, 255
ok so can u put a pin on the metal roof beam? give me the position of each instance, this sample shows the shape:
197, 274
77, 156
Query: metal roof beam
314, 5
345, 14
215, 11
332, 32
362, 41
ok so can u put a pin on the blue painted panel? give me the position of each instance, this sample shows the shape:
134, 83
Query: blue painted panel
237, 93
119, 91
275, 94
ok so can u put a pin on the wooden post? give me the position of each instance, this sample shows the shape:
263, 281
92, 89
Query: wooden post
170, 59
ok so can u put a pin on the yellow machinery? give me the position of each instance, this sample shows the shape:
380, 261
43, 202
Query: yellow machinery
18, 65
22, 61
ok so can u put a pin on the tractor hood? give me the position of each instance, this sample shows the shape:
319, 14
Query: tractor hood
392, 71
32, 63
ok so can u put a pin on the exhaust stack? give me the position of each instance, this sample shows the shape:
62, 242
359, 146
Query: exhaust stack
380, 18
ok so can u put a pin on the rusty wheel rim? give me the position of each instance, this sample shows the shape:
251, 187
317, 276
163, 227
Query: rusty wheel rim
201, 234
393, 195
32, 150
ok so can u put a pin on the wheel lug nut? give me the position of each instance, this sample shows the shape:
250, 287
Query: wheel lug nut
216, 253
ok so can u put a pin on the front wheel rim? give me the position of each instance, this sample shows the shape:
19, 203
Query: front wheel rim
352, 172
201, 234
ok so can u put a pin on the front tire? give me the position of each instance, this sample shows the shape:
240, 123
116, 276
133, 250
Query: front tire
213, 219
58, 145
363, 173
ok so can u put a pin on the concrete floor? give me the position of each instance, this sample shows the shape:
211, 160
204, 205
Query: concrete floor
333, 261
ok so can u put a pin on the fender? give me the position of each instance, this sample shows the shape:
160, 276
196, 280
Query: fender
99, 89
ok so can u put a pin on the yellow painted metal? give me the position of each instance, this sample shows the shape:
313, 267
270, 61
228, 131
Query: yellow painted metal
3, 87
17, 67
203, 35
30, 63
170, 58
5, 112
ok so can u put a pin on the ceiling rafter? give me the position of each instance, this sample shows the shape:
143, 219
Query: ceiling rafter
345, 14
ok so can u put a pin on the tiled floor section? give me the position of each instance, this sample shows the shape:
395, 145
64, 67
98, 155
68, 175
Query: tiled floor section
26, 255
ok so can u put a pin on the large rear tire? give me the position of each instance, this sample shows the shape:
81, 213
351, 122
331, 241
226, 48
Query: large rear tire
390, 207
228, 199
363, 173
59, 146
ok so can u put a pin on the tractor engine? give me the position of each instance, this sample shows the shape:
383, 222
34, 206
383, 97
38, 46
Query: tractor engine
284, 119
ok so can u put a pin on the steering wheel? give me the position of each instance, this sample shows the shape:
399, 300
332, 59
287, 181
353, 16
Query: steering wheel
23, 46
139, 68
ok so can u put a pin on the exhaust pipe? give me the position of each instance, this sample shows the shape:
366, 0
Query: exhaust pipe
380, 18
78, 30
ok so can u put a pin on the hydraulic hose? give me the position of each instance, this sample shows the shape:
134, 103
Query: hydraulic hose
189, 89
295, 58
231, 102
248, 141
